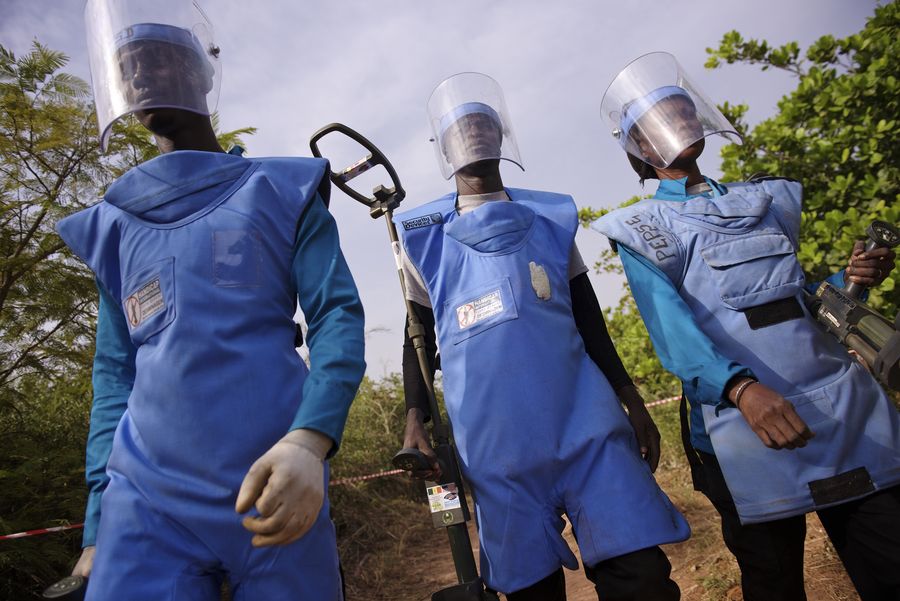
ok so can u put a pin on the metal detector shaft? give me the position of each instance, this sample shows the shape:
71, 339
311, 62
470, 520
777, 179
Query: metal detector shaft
382, 204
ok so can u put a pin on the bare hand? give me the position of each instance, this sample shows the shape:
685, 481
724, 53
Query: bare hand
645, 429
869, 268
773, 418
287, 486
85, 563
415, 437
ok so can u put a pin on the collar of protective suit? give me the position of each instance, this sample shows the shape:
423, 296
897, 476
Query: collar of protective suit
493, 227
721, 207
194, 178
677, 189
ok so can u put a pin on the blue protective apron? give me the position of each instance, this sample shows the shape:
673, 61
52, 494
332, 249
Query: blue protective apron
733, 260
209, 302
539, 430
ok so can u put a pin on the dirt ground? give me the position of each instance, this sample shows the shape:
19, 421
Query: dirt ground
419, 562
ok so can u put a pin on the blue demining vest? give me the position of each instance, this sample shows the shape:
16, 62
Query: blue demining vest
729, 257
209, 301
539, 430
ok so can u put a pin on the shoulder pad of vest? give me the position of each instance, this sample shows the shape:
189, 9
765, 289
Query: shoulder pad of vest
298, 169
430, 213
539, 196
762, 177
642, 228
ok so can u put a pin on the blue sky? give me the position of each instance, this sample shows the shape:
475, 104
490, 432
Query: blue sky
291, 67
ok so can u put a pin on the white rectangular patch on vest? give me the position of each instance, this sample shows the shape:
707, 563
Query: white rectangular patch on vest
145, 303
483, 307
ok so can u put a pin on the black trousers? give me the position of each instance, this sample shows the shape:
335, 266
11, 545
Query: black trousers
639, 576
865, 534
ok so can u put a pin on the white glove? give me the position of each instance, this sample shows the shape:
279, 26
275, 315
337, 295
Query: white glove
286, 485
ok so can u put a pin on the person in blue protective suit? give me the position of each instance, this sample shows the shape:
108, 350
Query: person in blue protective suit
783, 421
202, 409
532, 383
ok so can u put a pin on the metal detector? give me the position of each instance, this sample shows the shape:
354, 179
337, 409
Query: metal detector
447, 498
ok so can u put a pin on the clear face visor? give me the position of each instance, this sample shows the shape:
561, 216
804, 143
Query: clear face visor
470, 123
149, 56
655, 112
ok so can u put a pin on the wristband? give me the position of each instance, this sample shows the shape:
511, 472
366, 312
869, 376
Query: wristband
741, 388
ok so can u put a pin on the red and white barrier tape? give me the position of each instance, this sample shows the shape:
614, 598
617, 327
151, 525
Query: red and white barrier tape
663, 401
351, 479
336, 482
41, 531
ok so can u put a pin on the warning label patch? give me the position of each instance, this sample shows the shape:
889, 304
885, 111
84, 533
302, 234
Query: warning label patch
145, 303
443, 497
483, 307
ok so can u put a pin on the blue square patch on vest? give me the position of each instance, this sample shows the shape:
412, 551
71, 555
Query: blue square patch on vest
236, 258
423, 221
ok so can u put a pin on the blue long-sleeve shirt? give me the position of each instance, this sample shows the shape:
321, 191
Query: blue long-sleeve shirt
334, 315
681, 345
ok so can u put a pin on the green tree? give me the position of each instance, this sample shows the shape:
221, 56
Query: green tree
836, 133
50, 166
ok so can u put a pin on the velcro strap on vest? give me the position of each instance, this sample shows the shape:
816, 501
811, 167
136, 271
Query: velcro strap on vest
848, 485
769, 314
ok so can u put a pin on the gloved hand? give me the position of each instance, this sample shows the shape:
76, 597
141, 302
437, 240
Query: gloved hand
772, 417
643, 425
85, 563
415, 437
286, 485
869, 268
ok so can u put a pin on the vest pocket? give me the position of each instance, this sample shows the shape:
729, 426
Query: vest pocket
478, 310
813, 407
754, 270
148, 299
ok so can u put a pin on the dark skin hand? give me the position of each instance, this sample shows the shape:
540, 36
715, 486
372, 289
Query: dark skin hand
771, 416
869, 268
645, 429
415, 437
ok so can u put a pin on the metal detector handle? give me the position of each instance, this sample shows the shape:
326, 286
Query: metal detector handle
382, 203
881, 234
375, 158
411, 460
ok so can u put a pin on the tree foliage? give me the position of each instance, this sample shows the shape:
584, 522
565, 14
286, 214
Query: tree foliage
836, 133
